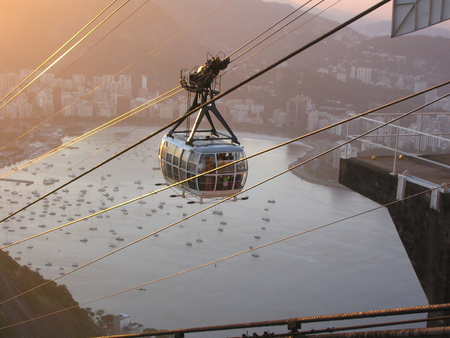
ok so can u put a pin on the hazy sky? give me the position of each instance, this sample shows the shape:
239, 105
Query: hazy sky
357, 6
352, 6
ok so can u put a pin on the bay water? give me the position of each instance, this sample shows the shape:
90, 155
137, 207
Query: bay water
354, 265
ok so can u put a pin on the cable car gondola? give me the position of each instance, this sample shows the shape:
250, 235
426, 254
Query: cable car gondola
188, 153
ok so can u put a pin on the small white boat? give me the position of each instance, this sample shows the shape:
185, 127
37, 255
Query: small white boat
188, 243
267, 219
84, 240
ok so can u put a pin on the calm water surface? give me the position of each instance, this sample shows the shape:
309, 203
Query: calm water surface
355, 265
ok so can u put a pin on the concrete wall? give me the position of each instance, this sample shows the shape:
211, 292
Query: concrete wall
424, 232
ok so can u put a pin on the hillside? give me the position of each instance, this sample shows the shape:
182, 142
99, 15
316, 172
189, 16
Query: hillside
15, 279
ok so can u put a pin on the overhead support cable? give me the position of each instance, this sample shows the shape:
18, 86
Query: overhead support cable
281, 37
269, 28
58, 50
64, 54
280, 28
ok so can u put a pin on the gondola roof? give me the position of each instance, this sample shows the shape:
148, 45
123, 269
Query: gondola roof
204, 144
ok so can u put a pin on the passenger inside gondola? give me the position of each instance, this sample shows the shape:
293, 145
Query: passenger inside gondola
225, 182
206, 182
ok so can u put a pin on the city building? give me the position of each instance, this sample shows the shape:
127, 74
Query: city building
122, 325
296, 109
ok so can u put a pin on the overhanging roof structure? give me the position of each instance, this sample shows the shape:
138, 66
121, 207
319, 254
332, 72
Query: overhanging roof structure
411, 15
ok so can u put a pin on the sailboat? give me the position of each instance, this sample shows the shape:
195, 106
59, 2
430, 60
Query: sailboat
198, 239
255, 254
257, 236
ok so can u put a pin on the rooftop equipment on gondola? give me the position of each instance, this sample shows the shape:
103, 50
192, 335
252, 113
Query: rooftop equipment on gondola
187, 153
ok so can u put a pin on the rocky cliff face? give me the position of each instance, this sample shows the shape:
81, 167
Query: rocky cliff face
15, 279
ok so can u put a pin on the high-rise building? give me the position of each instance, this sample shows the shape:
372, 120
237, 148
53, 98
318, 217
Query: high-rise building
143, 91
78, 81
419, 86
296, 109
364, 74
11, 80
400, 83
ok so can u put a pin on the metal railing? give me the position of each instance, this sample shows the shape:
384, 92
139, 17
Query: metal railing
422, 137
294, 325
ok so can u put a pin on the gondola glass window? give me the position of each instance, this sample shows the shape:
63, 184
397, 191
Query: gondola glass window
180, 161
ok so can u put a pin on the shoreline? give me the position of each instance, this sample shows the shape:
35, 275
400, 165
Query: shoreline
298, 172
